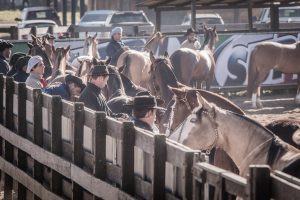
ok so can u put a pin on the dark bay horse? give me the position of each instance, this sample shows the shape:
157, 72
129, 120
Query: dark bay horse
136, 65
192, 67
271, 55
246, 141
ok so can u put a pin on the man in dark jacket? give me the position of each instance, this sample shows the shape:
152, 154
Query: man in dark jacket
116, 47
5, 51
21, 67
144, 107
12, 63
72, 87
91, 95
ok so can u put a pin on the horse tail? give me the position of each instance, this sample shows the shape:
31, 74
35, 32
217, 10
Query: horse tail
252, 72
176, 63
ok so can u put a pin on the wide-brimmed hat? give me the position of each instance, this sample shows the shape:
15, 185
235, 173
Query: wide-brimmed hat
21, 62
5, 44
74, 79
147, 93
99, 70
144, 101
189, 31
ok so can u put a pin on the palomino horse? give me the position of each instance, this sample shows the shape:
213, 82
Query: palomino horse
90, 46
136, 65
271, 55
192, 66
246, 141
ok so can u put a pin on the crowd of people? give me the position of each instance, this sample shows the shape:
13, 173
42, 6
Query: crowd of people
30, 69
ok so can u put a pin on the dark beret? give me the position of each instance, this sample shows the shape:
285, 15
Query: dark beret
15, 57
74, 79
5, 44
21, 62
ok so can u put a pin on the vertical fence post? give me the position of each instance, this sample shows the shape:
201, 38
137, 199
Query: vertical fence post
9, 123
159, 163
1, 98
259, 182
56, 141
128, 139
199, 178
37, 132
188, 190
22, 131
77, 156
100, 147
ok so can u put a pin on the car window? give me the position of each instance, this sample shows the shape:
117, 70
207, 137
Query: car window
289, 12
128, 17
208, 20
45, 14
38, 25
94, 17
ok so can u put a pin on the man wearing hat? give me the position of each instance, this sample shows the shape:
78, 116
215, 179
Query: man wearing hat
116, 47
12, 63
36, 68
5, 51
144, 107
21, 67
191, 41
72, 86
91, 96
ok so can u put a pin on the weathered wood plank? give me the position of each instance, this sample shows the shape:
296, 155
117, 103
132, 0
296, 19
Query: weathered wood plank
9, 97
144, 140
128, 138
113, 128
159, 164
259, 182
235, 184
281, 189
143, 188
188, 177
56, 140
100, 145
78, 153
1, 98
28, 181
114, 173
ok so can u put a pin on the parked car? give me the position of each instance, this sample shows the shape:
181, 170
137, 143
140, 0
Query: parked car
203, 18
286, 15
110, 18
37, 23
39, 13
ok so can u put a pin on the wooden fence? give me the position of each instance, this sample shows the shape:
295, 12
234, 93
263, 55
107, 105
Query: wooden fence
261, 184
54, 149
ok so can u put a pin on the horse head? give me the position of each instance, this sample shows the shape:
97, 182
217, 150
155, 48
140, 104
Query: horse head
154, 42
161, 75
90, 46
211, 36
60, 60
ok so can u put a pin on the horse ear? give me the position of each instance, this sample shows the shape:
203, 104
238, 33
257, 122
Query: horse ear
166, 54
120, 69
95, 36
107, 62
204, 27
152, 58
180, 93
95, 61
67, 49
30, 45
214, 29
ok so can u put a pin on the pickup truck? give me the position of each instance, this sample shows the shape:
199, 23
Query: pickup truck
286, 15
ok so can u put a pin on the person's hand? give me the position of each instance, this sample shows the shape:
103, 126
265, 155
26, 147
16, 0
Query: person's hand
120, 115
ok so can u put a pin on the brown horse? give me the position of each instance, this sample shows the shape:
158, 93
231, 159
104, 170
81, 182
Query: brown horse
136, 65
244, 140
192, 67
60, 56
271, 55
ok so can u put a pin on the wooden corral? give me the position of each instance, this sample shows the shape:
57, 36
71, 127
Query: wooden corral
54, 149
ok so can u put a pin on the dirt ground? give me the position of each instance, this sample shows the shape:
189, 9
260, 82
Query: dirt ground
275, 106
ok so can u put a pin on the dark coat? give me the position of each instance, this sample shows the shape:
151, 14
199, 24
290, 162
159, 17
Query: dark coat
61, 90
92, 98
143, 125
20, 76
11, 72
114, 50
4, 66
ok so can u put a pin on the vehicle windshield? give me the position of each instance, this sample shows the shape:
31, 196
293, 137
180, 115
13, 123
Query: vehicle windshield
208, 20
128, 17
44, 14
94, 17
289, 12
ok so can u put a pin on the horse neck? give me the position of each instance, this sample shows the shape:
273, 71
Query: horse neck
211, 44
152, 45
165, 121
87, 49
246, 143
95, 52
165, 92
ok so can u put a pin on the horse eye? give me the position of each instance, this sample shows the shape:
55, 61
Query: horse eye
193, 120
